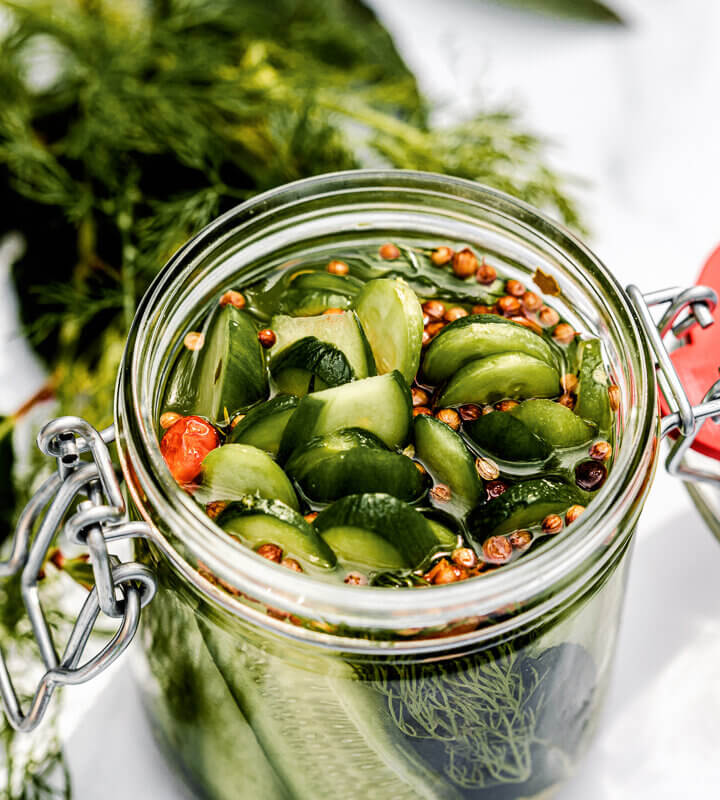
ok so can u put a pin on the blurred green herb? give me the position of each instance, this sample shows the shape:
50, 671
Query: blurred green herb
126, 127
585, 10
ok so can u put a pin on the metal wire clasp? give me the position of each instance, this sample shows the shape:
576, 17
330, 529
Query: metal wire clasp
120, 590
685, 308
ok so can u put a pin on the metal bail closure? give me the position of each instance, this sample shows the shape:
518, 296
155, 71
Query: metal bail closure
688, 377
120, 590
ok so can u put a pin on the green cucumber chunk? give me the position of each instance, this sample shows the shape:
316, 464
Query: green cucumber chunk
522, 505
231, 369
363, 549
448, 460
352, 461
554, 423
256, 521
507, 438
477, 336
263, 426
342, 330
234, 470
392, 319
593, 400
294, 381
326, 733
321, 359
181, 387
502, 376
446, 537
392, 519
380, 405
309, 293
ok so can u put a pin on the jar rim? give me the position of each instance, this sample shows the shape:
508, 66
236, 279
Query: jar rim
534, 583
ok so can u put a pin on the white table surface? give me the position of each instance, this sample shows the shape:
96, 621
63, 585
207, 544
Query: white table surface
636, 113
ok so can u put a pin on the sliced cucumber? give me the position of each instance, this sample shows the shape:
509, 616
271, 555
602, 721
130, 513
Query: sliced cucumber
263, 426
231, 373
325, 732
447, 459
256, 521
350, 462
521, 506
321, 359
507, 438
392, 319
506, 375
234, 470
181, 386
293, 381
363, 549
554, 423
342, 330
477, 336
444, 535
593, 401
381, 405
314, 292
397, 522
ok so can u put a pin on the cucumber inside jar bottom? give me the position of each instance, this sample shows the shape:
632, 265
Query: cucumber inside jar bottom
263, 682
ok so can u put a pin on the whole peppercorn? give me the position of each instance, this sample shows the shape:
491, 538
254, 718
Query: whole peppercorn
526, 323
337, 268
450, 417
506, 405
194, 340
569, 382
567, 400
601, 451
454, 313
444, 572
485, 273
270, 551
441, 493
470, 412
355, 579
434, 309
590, 475
564, 333
514, 288
464, 263
531, 301
548, 317
266, 337
419, 410
389, 252
497, 549
483, 309
434, 328
573, 513
233, 298
168, 419
464, 557
419, 397
494, 489
520, 540
487, 469
552, 524
311, 517
441, 256
614, 395
184, 446
426, 338
292, 564
510, 306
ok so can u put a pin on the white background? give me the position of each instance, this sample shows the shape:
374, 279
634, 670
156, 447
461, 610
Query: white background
636, 112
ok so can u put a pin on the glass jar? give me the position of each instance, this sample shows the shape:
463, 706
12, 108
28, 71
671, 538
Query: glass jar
262, 683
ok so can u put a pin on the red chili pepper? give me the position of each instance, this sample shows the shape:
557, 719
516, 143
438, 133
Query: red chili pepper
185, 445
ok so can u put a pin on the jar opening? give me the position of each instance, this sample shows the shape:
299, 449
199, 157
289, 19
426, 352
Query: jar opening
315, 216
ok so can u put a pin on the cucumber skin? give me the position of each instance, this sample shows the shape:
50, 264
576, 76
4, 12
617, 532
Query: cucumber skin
507, 438
321, 359
477, 336
181, 385
492, 517
249, 430
593, 400
553, 423
501, 376
307, 422
394, 520
235, 470
302, 540
444, 453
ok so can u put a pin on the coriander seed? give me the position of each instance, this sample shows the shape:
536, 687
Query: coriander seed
338, 268
450, 417
266, 337
485, 273
487, 469
548, 317
389, 251
441, 256
601, 451
464, 263
552, 524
